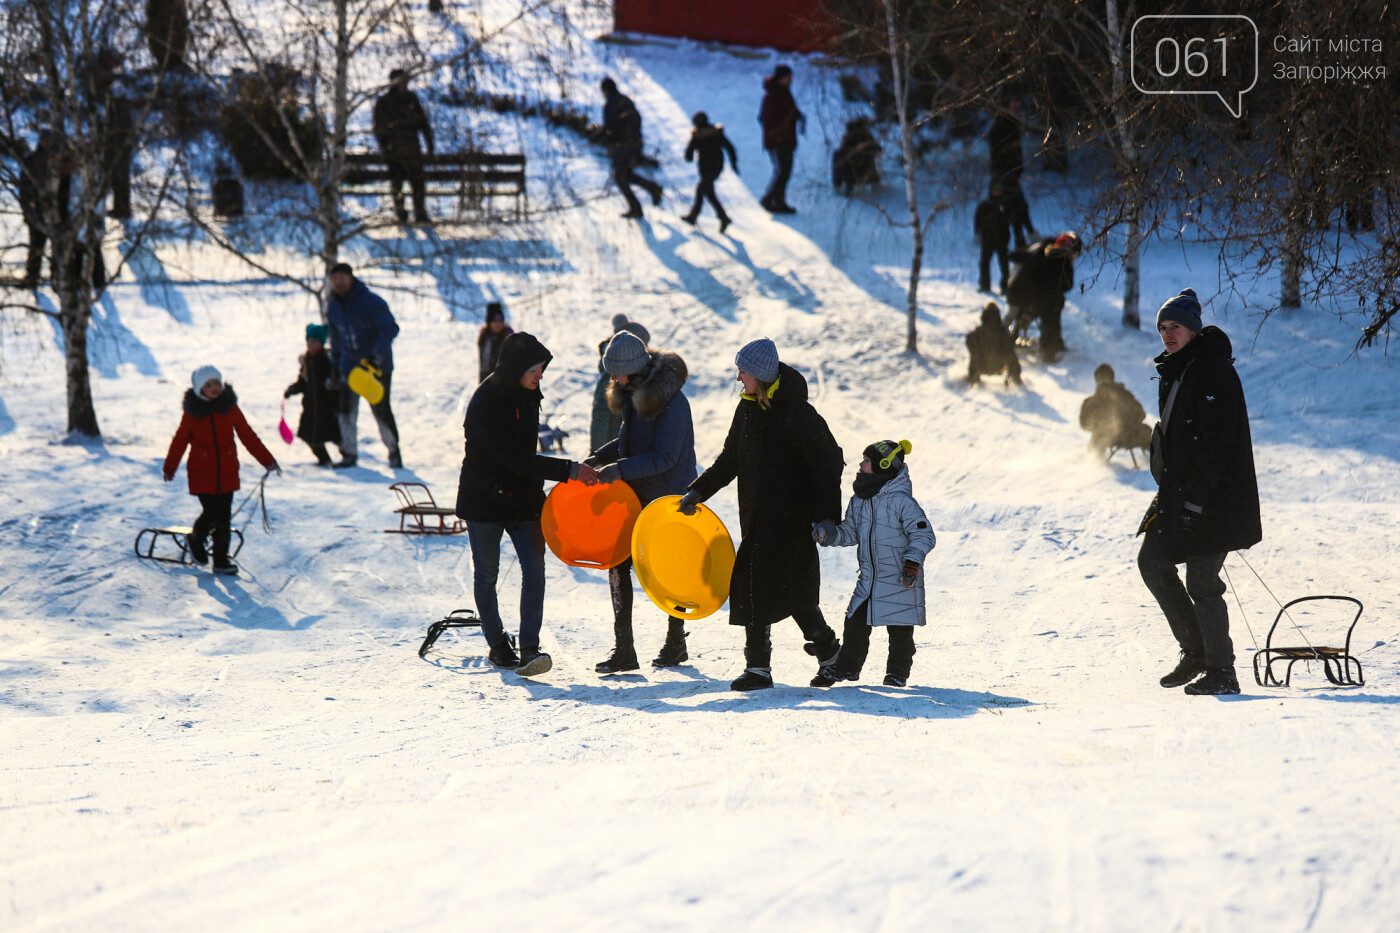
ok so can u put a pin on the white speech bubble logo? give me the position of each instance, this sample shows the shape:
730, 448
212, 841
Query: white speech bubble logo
1189, 62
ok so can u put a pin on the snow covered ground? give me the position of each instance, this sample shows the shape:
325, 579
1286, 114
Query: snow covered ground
188, 752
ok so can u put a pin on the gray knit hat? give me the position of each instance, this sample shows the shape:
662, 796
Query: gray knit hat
626, 355
759, 359
202, 375
1185, 309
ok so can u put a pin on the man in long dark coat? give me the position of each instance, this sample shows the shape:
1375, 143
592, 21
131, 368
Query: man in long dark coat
1207, 500
789, 471
780, 118
399, 119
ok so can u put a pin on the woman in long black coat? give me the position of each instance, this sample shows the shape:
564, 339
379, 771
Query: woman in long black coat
789, 471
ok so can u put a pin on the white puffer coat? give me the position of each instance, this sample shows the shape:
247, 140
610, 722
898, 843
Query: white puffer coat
888, 529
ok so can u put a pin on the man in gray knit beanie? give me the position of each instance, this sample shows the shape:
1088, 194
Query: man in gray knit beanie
759, 359
626, 355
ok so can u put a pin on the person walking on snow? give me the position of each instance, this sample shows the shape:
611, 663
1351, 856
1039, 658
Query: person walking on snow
789, 471
210, 420
1207, 501
501, 492
362, 329
622, 133
320, 400
489, 342
711, 144
780, 118
892, 537
399, 120
654, 453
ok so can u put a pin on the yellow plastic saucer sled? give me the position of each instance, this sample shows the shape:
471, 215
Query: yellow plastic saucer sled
683, 561
590, 526
364, 382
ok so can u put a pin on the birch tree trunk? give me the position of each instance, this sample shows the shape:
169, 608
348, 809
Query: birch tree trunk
911, 193
1128, 163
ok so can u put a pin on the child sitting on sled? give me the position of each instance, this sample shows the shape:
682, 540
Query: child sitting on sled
211, 418
892, 536
320, 400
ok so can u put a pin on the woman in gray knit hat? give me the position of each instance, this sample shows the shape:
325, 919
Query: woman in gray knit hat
789, 471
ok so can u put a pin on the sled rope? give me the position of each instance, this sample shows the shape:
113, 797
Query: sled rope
261, 494
1296, 627
1241, 605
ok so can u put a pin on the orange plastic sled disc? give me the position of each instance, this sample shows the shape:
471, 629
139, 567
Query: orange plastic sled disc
590, 526
684, 562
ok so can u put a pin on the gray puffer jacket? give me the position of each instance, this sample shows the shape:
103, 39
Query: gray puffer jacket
888, 529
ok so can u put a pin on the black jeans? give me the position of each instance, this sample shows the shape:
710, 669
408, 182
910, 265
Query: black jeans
1196, 612
624, 169
705, 191
776, 195
620, 585
984, 263
410, 170
383, 416
215, 520
758, 643
855, 645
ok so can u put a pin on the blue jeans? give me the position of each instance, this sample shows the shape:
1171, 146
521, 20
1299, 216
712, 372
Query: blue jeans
486, 564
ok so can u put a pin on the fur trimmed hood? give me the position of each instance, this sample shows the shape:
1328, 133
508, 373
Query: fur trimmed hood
199, 407
652, 388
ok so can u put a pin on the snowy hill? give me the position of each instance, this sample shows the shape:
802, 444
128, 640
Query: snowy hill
267, 751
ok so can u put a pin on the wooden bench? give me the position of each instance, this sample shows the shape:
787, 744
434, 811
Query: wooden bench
471, 176
1337, 663
417, 506
178, 535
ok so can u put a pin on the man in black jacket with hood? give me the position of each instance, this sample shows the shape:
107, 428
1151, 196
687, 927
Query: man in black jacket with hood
501, 491
710, 142
1207, 501
622, 134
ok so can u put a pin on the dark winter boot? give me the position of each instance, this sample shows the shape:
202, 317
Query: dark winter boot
1218, 681
690, 218
395, 460
227, 568
195, 542
724, 223
894, 680
673, 653
1187, 669
753, 678
831, 674
619, 662
503, 655
824, 652
533, 661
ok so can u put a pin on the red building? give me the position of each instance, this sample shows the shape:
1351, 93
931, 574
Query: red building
789, 25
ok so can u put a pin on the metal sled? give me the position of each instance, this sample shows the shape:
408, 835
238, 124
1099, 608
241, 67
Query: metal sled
457, 618
419, 513
1337, 663
177, 534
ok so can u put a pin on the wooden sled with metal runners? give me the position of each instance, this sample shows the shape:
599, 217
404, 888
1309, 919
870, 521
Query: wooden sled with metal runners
419, 514
147, 540
1338, 664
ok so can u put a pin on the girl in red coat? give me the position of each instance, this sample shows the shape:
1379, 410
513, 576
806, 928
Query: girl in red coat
210, 420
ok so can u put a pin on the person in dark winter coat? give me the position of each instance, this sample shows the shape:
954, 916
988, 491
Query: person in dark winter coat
41, 184
711, 144
488, 343
501, 492
399, 119
361, 329
856, 160
605, 422
892, 537
622, 134
654, 453
1018, 213
1112, 416
210, 420
990, 349
789, 471
1036, 290
780, 118
1207, 501
993, 222
320, 400
1004, 145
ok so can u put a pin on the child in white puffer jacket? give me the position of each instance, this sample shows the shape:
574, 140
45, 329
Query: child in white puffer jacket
893, 537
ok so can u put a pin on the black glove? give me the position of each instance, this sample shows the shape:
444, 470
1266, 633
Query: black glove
287, 394
688, 502
1189, 519
610, 473
910, 574
824, 531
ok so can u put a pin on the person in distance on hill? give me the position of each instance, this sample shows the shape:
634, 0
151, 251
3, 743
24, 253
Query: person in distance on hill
990, 349
501, 492
711, 144
622, 133
1037, 288
993, 228
605, 422
780, 118
892, 536
488, 343
361, 329
1207, 501
320, 400
789, 471
654, 453
210, 420
1112, 416
399, 120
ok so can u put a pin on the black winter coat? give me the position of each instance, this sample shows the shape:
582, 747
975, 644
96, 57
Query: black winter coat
320, 406
622, 125
398, 120
991, 223
502, 475
1042, 278
711, 144
1207, 457
789, 471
